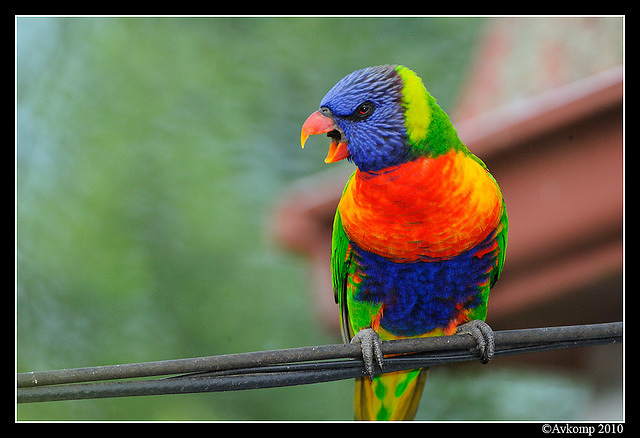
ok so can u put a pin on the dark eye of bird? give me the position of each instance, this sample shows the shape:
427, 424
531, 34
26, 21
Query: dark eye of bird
363, 111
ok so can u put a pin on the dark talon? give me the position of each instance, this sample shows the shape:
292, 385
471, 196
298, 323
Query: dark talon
371, 347
483, 335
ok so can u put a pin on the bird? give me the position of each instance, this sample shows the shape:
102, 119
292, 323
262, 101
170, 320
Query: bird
419, 234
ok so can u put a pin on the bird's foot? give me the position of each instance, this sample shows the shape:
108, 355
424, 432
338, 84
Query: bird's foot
483, 335
371, 348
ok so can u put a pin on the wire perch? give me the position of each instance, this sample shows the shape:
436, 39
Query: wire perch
292, 366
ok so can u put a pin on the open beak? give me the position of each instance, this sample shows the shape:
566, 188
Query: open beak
317, 123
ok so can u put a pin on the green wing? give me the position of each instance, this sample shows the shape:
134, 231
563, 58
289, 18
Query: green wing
501, 238
340, 261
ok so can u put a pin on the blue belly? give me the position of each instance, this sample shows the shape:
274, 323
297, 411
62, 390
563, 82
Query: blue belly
421, 296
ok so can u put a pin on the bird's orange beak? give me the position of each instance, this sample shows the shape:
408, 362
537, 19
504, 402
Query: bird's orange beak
317, 123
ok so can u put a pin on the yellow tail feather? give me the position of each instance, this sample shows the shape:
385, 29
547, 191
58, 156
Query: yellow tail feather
391, 396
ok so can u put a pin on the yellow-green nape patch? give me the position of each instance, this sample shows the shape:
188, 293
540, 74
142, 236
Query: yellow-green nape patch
416, 103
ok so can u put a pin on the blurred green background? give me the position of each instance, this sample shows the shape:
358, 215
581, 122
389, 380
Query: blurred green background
149, 154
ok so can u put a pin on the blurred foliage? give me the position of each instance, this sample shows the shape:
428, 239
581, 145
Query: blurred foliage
149, 154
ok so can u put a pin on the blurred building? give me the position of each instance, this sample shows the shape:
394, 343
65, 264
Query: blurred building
543, 108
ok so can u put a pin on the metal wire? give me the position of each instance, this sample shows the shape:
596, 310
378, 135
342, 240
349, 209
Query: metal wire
294, 366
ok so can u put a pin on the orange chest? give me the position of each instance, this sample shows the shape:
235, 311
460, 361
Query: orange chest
422, 210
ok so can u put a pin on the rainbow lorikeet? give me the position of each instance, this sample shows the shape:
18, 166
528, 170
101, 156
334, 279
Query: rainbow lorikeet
420, 232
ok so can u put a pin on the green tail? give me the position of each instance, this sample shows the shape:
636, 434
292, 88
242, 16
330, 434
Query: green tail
391, 396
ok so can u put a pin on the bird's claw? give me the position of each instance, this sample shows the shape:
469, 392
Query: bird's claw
371, 347
483, 336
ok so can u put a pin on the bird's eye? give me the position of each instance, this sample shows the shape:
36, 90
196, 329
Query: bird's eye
364, 110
